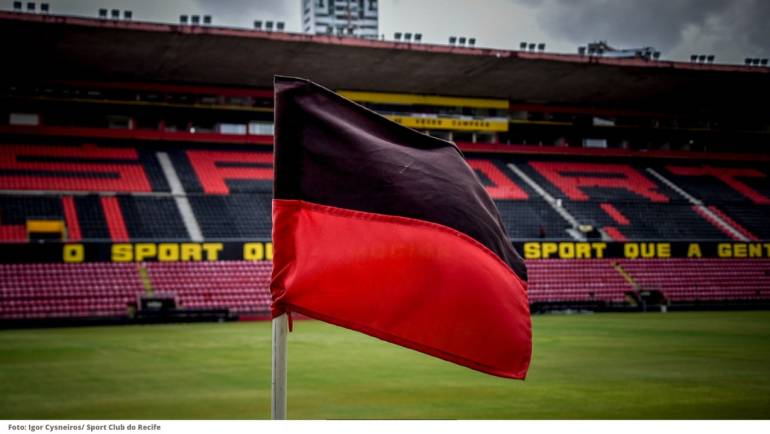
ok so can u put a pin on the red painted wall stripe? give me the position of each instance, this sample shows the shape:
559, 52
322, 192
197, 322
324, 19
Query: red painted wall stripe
728, 175
615, 214
114, 217
71, 219
716, 224
746, 233
13, 233
504, 187
213, 177
613, 232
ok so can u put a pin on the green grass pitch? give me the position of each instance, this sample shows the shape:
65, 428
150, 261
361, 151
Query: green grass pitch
702, 365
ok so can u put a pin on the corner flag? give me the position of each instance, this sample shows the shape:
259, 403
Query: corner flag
384, 230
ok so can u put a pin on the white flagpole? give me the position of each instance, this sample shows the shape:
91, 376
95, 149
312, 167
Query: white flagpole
280, 332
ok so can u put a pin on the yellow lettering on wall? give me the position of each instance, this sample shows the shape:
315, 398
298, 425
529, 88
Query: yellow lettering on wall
212, 250
582, 250
143, 251
724, 250
566, 250
269, 251
664, 250
740, 250
755, 250
122, 252
598, 249
648, 250
190, 252
631, 250
253, 251
450, 124
73, 253
693, 251
548, 249
532, 250
168, 252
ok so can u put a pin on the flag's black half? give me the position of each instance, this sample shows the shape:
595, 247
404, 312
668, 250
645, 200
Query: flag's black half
346, 156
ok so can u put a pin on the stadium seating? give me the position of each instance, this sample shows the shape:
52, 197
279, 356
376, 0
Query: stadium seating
30, 291
556, 280
680, 280
234, 184
152, 218
647, 221
241, 286
690, 280
239, 216
34, 291
754, 218
92, 290
119, 194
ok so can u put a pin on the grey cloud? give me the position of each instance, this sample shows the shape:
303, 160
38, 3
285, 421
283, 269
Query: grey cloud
664, 24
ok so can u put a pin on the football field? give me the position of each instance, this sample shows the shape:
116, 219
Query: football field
703, 365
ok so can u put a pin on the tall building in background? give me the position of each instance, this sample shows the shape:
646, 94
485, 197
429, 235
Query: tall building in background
341, 17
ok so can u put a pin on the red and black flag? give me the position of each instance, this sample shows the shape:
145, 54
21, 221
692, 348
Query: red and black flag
384, 230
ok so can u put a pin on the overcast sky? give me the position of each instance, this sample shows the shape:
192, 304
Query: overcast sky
730, 29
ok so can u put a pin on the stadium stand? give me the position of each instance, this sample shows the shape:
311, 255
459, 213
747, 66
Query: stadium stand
151, 218
703, 280
247, 215
560, 281
681, 280
46, 291
621, 199
229, 195
239, 286
130, 169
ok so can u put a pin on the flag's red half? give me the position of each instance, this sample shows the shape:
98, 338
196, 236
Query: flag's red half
415, 283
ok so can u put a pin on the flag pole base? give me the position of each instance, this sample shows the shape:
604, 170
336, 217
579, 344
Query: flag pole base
278, 390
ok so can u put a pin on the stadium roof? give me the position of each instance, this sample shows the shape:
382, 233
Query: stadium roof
46, 47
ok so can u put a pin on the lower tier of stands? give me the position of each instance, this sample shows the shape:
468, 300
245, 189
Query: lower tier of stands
680, 280
241, 286
109, 290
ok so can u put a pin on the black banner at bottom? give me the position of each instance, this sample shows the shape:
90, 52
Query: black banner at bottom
263, 251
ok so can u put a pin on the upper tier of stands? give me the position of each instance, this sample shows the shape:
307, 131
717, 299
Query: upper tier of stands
120, 193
